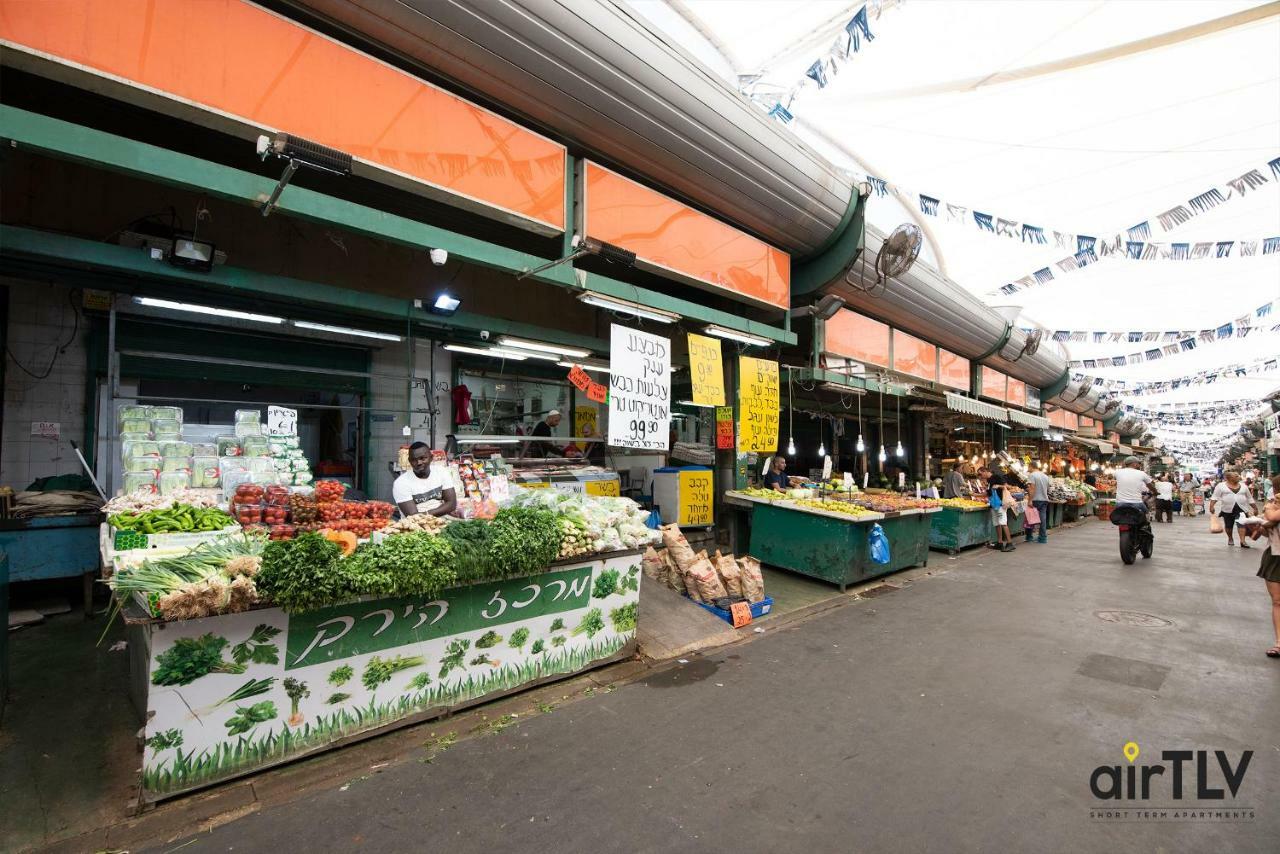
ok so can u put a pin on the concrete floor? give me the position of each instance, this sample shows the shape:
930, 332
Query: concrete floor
964, 712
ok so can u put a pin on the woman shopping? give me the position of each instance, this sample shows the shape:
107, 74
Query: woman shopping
1269, 570
1229, 500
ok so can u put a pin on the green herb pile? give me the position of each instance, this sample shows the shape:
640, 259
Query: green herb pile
303, 574
522, 541
470, 541
190, 658
417, 564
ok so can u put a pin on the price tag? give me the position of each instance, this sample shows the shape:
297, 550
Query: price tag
741, 613
282, 421
724, 428
697, 498
597, 392
758, 404
602, 487
706, 370
579, 378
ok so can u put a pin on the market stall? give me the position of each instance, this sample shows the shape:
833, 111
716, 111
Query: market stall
295, 620
959, 524
830, 538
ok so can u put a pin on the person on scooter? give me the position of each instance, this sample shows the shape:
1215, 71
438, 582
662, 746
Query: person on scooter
1132, 485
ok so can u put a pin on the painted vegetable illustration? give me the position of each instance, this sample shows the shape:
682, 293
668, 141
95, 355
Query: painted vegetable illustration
538, 646
606, 584
488, 639
336, 698
518, 638
257, 649
341, 675
592, 622
190, 658
558, 625
164, 740
420, 681
483, 659
624, 618
297, 691
456, 651
379, 670
248, 717
558, 640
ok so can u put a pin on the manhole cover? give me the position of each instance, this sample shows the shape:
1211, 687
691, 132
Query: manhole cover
1133, 618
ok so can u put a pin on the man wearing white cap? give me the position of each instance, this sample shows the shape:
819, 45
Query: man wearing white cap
544, 428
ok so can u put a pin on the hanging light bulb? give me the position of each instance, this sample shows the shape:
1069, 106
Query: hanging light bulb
900, 451
861, 446
822, 449
791, 447
882, 456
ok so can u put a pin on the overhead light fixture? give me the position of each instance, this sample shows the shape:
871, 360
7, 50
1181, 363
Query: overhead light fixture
482, 351
791, 447
445, 305
840, 388
587, 246
525, 354
699, 405
900, 451
586, 366
523, 344
625, 307
824, 309
882, 456
191, 254
735, 335
207, 309
344, 330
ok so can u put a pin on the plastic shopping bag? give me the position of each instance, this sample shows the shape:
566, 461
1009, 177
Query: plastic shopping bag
1215, 524
879, 544
994, 500
1033, 515
654, 522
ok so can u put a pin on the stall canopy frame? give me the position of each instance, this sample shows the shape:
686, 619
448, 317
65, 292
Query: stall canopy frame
977, 408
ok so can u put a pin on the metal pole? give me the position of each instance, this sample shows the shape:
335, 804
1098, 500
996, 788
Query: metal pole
113, 389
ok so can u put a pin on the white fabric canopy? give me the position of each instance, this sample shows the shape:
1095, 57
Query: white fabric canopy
1085, 147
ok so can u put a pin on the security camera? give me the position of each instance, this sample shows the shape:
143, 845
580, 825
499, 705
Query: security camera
439, 257
484, 334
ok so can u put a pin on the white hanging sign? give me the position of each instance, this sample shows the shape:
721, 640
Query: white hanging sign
282, 421
639, 389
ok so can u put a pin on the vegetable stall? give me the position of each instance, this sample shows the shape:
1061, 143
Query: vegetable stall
252, 646
829, 538
959, 524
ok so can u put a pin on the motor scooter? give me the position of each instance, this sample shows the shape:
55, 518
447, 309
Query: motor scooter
1135, 532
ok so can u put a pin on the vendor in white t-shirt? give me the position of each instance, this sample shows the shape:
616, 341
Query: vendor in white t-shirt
423, 489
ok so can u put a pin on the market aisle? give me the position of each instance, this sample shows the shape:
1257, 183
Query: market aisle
965, 712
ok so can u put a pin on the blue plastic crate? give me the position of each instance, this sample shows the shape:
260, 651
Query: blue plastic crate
758, 609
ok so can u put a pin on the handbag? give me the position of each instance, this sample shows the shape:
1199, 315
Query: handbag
1215, 524
1033, 515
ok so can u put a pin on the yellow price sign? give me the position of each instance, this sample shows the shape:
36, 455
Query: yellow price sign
584, 423
535, 485
758, 405
603, 487
706, 371
697, 498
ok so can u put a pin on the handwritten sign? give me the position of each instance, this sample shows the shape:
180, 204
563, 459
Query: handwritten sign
579, 378
597, 392
724, 428
758, 405
282, 421
697, 495
706, 371
603, 487
640, 389
741, 613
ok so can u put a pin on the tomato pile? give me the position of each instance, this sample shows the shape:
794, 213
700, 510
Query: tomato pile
381, 509
354, 510
329, 490
330, 511
273, 515
360, 527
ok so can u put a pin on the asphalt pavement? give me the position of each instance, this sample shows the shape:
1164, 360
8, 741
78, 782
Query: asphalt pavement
967, 711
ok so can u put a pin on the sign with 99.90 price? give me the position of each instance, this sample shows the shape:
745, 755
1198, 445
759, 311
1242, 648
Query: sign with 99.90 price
639, 389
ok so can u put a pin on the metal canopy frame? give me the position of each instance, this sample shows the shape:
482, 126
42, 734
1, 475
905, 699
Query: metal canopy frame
79, 143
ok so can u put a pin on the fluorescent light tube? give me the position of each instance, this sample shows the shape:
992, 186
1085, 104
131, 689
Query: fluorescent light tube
481, 351
345, 330
735, 335
624, 307
586, 366
523, 344
205, 309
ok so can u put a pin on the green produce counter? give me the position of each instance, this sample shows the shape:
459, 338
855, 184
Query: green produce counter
233, 694
1055, 515
1071, 513
833, 549
1017, 524
952, 528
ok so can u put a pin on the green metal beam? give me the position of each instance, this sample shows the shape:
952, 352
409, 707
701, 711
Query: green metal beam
81, 144
852, 383
135, 270
1056, 386
830, 259
1004, 339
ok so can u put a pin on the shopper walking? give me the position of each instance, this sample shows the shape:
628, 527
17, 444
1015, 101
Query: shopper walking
999, 497
1164, 499
1230, 498
1038, 495
1269, 569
